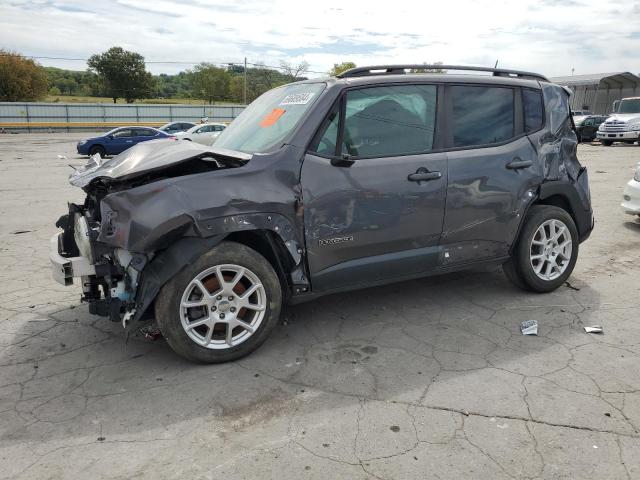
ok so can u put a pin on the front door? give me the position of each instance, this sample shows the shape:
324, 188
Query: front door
373, 189
120, 141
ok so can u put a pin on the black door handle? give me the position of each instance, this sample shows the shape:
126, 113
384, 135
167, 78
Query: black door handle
516, 164
423, 175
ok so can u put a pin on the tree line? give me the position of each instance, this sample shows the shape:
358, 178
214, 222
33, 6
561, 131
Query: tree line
121, 74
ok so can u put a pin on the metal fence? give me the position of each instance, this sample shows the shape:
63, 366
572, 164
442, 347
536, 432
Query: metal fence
95, 116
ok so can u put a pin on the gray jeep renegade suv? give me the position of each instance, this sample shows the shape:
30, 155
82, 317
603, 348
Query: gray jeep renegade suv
322, 186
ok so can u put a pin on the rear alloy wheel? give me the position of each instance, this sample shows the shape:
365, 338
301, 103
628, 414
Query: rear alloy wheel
546, 251
550, 250
221, 307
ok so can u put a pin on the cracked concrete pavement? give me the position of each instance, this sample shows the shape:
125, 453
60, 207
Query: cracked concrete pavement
422, 379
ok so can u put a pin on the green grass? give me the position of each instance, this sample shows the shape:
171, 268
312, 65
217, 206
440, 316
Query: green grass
81, 99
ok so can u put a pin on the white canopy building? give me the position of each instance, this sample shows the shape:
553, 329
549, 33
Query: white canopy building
597, 92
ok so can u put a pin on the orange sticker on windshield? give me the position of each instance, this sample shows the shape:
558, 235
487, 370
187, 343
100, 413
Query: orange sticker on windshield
272, 118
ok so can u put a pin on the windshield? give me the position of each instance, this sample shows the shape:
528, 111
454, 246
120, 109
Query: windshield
270, 118
629, 106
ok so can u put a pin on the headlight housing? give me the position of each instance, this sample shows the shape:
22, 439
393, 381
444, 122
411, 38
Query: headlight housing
635, 126
636, 176
81, 236
82, 142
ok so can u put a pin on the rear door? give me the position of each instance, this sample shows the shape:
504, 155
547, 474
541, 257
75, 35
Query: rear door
493, 168
374, 188
143, 134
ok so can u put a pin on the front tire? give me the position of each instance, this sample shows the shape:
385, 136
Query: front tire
221, 307
546, 250
99, 150
607, 143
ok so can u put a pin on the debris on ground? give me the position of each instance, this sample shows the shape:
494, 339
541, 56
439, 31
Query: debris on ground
529, 327
18, 232
151, 332
572, 287
594, 329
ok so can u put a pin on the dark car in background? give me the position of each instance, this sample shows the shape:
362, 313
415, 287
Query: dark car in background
175, 127
118, 140
324, 186
587, 127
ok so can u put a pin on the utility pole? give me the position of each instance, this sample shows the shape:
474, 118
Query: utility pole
245, 80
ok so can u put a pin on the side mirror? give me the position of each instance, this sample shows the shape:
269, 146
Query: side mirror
344, 161
110, 137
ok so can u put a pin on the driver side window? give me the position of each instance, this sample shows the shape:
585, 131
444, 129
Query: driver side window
122, 133
381, 121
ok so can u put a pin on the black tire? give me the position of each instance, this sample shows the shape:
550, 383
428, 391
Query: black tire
520, 267
607, 143
579, 137
168, 303
509, 269
97, 149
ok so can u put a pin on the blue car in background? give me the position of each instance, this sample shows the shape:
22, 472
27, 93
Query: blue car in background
118, 140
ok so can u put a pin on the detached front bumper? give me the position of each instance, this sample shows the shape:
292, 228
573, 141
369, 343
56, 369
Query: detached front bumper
63, 269
631, 198
618, 136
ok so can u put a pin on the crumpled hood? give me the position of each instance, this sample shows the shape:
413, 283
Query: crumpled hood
623, 118
147, 156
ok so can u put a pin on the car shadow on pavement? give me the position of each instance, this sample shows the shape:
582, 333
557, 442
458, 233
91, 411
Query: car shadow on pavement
425, 342
633, 225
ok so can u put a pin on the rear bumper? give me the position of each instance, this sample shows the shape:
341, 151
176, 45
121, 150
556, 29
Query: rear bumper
631, 198
617, 136
63, 269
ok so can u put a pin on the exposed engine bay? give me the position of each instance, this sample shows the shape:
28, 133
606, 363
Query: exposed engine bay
111, 274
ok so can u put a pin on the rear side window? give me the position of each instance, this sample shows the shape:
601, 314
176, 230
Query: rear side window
144, 132
481, 115
533, 112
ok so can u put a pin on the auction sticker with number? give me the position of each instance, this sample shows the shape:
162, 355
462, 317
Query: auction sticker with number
297, 99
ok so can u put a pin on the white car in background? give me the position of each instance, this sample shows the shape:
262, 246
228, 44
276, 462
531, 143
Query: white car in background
631, 195
204, 133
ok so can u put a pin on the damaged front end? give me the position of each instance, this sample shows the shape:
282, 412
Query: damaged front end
94, 246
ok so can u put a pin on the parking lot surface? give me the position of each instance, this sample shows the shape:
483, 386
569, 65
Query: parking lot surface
423, 379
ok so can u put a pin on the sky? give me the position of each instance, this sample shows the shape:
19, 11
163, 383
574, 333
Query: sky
545, 36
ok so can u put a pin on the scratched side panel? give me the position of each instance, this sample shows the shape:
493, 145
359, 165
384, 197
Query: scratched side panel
485, 200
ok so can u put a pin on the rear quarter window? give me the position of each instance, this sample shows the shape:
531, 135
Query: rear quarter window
533, 109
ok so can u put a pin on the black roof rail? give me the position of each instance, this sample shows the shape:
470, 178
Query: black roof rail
401, 69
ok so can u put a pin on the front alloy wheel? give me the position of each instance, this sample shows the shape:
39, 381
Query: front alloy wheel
220, 307
223, 306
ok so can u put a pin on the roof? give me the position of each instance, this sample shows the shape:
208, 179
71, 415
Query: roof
427, 78
612, 79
